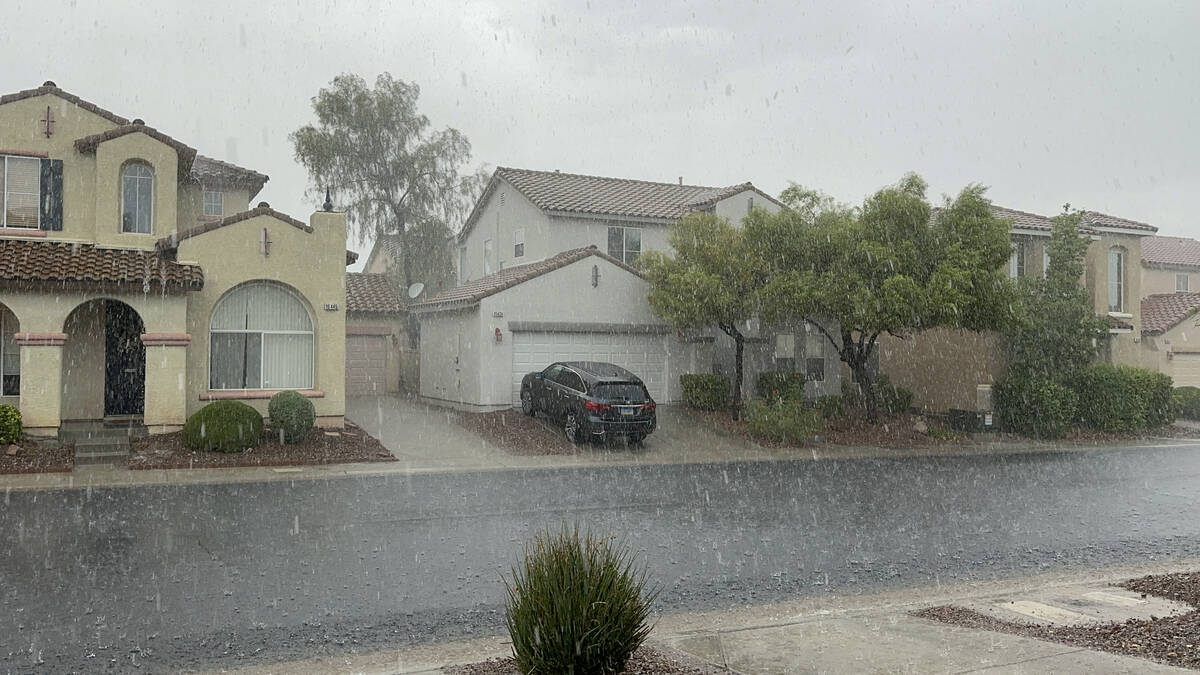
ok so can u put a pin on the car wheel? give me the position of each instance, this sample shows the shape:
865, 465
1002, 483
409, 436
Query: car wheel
527, 402
571, 428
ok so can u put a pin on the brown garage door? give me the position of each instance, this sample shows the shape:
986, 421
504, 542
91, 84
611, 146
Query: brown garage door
366, 364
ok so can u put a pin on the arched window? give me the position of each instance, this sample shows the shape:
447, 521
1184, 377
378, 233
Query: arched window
1116, 280
261, 337
137, 198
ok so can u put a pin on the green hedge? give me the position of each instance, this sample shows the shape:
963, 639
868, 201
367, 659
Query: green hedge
10, 424
292, 416
893, 399
1033, 407
1187, 402
774, 385
782, 421
1123, 398
705, 392
224, 426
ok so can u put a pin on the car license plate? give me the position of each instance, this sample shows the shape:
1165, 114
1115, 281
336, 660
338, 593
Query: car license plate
628, 412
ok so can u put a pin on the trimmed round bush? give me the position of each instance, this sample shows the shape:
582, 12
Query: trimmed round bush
1123, 398
292, 416
705, 392
1187, 402
10, 424
1034, 407
224, 426
576, 605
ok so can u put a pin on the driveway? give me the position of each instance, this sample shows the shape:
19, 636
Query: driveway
426, 437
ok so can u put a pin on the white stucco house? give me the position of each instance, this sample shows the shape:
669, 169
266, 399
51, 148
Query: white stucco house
544, 275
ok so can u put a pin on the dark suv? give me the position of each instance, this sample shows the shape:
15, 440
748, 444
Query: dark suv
592, 400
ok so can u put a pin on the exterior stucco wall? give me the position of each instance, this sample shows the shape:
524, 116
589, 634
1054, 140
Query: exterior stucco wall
191, 204
111, 159
569, 233
1159, 280
312, 264
450, 356
498, 222
84, 357
736, 207
943, 367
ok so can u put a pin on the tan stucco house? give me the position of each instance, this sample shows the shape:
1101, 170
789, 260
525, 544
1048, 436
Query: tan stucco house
137, 283
1170, 302
949, 369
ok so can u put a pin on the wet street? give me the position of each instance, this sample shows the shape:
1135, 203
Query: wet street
197, 576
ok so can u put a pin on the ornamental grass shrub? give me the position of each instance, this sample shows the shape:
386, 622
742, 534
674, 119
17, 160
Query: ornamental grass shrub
10, 424
224, 426
292, 416
577, 604
705, 392
782, 421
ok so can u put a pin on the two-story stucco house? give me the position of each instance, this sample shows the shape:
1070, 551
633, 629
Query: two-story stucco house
137, 283
955, 369
544, 274
1170, 301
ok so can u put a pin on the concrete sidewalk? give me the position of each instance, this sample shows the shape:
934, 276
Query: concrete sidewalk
425, 439
857, 634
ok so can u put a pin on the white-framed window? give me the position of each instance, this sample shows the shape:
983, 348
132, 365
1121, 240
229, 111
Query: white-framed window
10, 355
1016, 263
214, 203
1181, 282
625, 243
519, 243
1116, 280
21, 185
814, 355
137, 198
261, 337
749, 205
785, 352
488, 250
1045, 260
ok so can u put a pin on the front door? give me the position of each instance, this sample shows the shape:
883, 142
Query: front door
124, 361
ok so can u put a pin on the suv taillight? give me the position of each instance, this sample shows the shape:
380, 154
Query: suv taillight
596, 407
650, 407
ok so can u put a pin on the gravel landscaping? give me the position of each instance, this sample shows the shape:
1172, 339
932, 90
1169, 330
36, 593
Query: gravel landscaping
323, 446
645, 661
1174, 640
29, 457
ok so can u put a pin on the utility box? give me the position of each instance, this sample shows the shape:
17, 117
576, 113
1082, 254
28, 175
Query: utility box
970, 421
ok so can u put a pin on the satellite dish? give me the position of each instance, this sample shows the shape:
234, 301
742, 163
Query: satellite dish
415, 290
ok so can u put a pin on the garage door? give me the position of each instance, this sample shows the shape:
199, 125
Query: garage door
1185, 369
366, 364
643, 355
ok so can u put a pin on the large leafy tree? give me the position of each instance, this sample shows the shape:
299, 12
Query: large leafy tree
894, 266
1056, 332
389, 169
711, 281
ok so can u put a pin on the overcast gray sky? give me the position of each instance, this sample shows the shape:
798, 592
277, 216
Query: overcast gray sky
1092, 103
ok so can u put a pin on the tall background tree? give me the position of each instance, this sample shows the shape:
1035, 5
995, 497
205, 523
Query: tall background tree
711, 281
389, 169
890, 267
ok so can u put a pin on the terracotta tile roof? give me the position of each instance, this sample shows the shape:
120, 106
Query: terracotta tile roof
474, 291
211, 171
1024, 219
46, 262
1097, 219
169, 245
1163, 312
1114, 322
1173, 251
52, 89
187, 154
372, 294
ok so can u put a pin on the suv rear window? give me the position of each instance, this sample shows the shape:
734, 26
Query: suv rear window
621, 391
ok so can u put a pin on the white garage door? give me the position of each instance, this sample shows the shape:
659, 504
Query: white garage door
643, 355
1185, 369
366, 364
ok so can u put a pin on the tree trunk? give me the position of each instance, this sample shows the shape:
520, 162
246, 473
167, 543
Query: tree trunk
867, 385
738, 359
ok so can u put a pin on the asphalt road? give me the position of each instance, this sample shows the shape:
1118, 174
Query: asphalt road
165, 578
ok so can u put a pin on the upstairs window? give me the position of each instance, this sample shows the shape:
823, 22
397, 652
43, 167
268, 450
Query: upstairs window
21, 183
214, 203
137, 198
1016, 266
1181, 283
625, 243
519, 244
785, 352
1116, 280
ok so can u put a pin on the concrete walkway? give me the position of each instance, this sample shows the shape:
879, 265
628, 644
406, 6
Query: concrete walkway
860, 634
425, 439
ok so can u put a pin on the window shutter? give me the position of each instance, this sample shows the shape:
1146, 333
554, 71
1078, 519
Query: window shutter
52, 197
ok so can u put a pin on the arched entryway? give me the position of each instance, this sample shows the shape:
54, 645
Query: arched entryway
104, 362
10, 356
